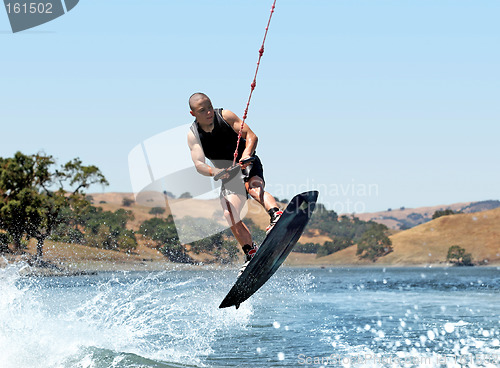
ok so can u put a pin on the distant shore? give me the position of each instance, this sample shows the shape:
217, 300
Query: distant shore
28, 269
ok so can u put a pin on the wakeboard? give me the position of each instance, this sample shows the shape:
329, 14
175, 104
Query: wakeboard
274, 249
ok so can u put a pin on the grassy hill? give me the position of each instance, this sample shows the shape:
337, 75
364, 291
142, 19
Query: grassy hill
405, 218
478, 233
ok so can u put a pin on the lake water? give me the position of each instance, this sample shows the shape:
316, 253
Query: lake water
340, 317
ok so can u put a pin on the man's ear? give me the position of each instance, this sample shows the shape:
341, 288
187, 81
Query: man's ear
191, 112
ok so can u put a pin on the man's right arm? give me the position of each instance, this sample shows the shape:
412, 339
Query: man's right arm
198, 157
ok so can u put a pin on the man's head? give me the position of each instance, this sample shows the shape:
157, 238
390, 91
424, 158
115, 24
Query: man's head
201, 108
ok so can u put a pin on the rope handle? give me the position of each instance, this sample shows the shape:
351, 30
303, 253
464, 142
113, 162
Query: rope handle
253, 85
231, 170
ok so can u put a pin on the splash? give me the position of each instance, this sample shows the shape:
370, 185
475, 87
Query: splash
139, 320
34, 338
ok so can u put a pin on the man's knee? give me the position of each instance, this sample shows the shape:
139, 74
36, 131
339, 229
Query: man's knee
255, 186
231, 218
256, 192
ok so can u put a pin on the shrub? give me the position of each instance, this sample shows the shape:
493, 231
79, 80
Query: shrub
457, 256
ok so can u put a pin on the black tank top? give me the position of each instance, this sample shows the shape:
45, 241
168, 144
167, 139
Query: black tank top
219, 144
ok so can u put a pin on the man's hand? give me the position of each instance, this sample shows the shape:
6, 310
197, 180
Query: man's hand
232, 171
221, 174
245, 161
229, 173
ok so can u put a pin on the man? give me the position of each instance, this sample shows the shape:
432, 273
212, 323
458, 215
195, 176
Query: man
214, 135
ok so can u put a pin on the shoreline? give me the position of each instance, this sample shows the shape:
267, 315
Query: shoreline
90, 268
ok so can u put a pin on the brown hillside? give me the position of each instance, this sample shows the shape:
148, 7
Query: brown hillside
394, 218
478, 233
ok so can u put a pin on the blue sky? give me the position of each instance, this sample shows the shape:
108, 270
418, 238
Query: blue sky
380, 104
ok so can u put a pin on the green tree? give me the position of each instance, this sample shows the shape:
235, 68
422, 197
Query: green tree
374, 243
163, 234
157, 211
92, 226
69, 182
108, 230
169, 194
20, 182
160, 230
224, 250
334, 246
34, 194
440, 213
127, 202
457, 255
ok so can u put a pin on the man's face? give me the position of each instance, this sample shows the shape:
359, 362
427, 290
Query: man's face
203, 111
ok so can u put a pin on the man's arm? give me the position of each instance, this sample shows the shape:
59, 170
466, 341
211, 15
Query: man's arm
235, 122
198, 157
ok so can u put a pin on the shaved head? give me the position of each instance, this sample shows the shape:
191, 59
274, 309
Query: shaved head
196, 97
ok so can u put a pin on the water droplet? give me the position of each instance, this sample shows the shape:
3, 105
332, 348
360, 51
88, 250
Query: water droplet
281, 356
259, 350
276, 324
431, 335
449, 327
367, 327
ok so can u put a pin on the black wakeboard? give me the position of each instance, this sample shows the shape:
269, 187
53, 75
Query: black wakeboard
274, 249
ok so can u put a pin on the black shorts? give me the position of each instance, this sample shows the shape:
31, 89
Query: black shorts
256, 170
236, 186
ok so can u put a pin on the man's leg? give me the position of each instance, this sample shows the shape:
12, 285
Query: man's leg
255, 187
232, 205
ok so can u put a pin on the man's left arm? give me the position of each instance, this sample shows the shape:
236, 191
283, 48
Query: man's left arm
247, 133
